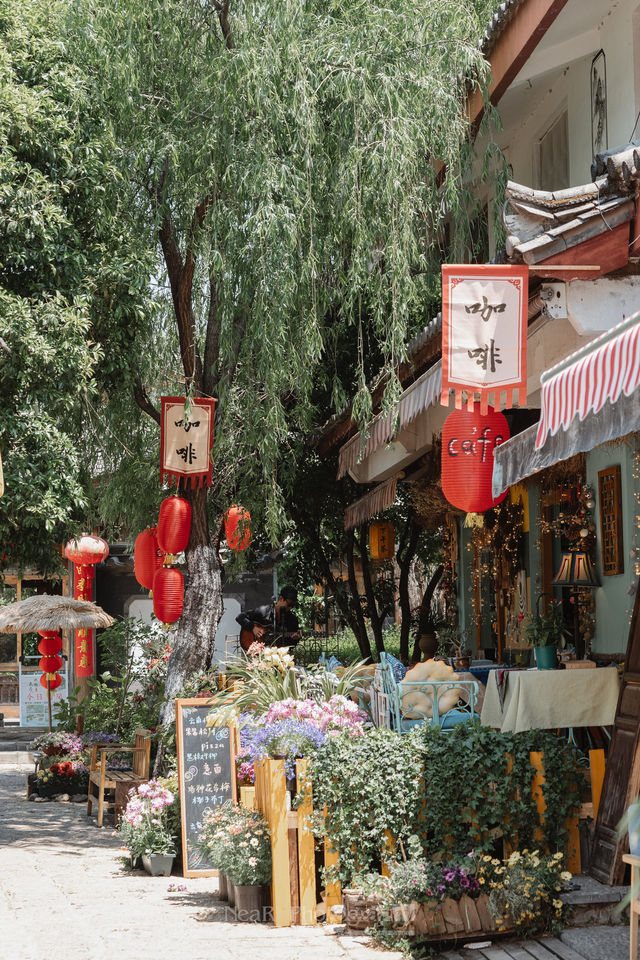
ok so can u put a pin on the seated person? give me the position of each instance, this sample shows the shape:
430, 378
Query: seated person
274, 623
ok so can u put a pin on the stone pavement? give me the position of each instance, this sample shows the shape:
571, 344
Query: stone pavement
65, 896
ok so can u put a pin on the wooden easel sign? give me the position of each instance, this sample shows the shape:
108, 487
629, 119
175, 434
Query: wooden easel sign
206, 774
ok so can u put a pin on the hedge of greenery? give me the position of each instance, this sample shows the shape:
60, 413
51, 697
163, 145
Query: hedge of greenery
441, 794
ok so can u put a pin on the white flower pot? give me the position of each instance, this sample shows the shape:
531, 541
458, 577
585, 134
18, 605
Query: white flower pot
158, 864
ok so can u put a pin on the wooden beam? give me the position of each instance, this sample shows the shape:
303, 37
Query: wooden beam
512, 49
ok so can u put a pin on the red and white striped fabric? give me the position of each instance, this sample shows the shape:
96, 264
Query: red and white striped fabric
585, 380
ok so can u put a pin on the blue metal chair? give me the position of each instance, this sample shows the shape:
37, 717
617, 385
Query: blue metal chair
464, 712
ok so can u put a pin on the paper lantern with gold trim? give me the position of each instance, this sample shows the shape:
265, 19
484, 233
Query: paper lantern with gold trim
382, 544
147, 557
168, 594
50, 644
468, 441
52, 680
174, 524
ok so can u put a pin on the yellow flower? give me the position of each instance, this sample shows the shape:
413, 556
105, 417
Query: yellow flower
566, 875
557, 904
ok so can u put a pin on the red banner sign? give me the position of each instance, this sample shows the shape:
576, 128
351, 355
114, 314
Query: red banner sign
484, 334
186, 440
83, 575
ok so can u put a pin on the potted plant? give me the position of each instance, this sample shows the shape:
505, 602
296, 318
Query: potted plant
146, 830
57, 743
238, 843
546, 632
453, 644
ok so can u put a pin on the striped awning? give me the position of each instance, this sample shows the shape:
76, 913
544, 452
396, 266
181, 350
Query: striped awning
582, 383
380, 498
421, 395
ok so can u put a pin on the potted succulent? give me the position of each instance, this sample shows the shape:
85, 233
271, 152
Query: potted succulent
546, 632
146, 830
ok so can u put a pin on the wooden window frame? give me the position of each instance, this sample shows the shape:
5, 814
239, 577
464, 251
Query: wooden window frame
614, 516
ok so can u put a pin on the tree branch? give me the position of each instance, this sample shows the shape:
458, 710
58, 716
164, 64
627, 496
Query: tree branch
212, 342
141, 397
222, 6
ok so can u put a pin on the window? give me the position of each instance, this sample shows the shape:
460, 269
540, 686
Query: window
553, 156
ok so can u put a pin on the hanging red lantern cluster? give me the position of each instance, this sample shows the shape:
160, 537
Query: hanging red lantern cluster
468, 441
85, 552
153, 553
50, 646
237, 527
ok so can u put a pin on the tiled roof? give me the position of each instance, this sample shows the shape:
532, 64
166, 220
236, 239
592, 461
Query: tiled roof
541, 224
498, 22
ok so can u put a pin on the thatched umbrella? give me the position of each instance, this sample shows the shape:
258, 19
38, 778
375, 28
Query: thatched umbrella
46, 612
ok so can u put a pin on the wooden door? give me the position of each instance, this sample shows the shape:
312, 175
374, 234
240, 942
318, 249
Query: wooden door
622, 775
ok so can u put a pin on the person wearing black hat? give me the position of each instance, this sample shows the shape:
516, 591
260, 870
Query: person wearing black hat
273, 623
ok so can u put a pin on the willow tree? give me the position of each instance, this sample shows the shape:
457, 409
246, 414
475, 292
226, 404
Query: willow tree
279, 156
71, 292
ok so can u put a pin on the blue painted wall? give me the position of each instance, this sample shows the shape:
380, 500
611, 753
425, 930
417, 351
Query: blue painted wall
615, 598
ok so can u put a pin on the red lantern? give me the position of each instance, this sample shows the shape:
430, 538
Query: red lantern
147, 557
87, 549
168, 594
51, 680
237, 527
468, 441
50, 663
49, 646
174, 524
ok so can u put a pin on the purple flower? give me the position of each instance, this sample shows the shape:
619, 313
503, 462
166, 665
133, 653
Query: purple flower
449, 876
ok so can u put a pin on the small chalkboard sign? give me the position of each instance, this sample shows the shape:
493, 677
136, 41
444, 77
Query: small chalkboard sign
207, 776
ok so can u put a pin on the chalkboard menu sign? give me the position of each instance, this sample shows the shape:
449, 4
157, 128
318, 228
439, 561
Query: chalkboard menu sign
206, 773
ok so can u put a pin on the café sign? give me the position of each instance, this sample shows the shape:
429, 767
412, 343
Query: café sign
484, 334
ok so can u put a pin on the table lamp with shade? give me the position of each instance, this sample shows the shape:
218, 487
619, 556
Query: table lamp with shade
576, 571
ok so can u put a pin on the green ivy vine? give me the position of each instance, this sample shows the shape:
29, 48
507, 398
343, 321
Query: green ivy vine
441, 794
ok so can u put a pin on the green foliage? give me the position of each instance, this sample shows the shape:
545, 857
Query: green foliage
70, 291
547, 629
130, 692
441, 793
370, 785
303, 193
270, 676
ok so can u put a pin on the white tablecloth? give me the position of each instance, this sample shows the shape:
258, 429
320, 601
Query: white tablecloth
546, 699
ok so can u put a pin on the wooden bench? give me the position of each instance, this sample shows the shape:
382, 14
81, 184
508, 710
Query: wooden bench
120, 781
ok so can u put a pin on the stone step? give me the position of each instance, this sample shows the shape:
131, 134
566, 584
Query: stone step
15, 757
594, 902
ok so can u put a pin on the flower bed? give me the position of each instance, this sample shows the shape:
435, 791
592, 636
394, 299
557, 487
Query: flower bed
480, 894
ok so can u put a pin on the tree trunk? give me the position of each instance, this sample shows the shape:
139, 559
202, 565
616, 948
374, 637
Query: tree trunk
361, 632
425, 619
374, 618
194, 638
